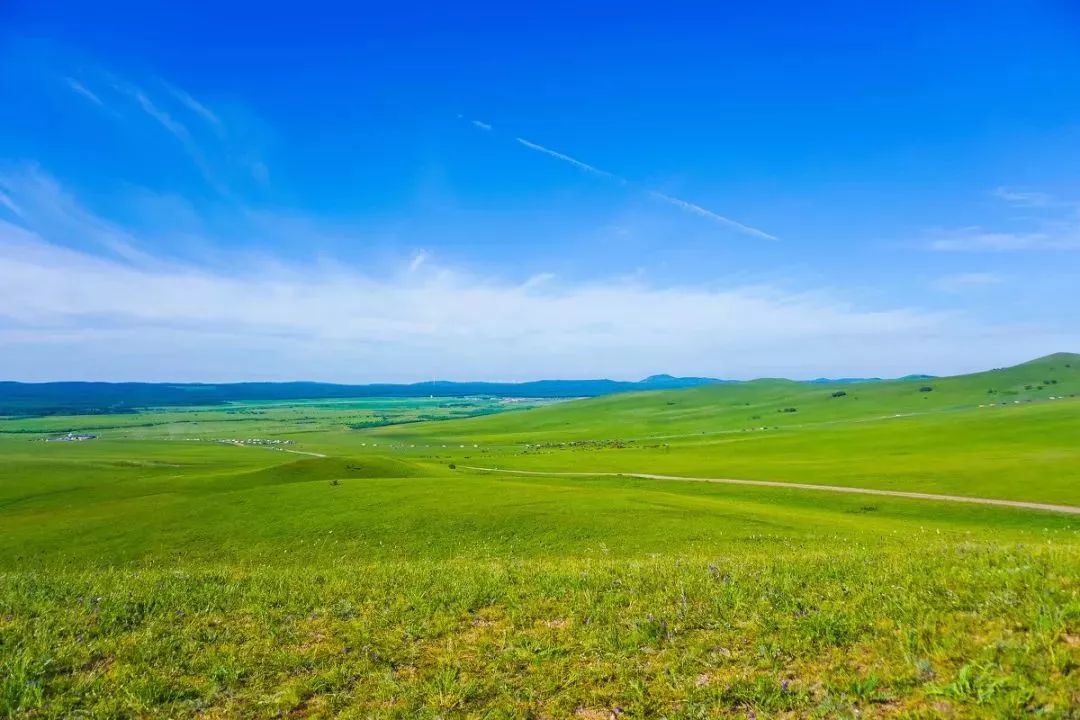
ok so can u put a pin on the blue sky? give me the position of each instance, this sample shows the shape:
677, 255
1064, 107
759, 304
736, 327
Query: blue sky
394, 192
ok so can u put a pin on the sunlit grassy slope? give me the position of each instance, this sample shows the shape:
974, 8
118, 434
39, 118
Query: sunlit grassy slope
154, 572
739, 406
992, 434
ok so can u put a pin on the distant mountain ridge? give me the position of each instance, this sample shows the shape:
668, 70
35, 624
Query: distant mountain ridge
74, 398
848, 380
56, 398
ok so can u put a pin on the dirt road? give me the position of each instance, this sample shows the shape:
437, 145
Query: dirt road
237, 443
1046, 507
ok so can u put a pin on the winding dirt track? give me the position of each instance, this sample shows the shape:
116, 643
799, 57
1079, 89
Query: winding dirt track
237, 443
1046, 507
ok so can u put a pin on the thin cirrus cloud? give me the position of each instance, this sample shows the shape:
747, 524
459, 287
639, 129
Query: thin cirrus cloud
180, 131
209, 155
1047, 230
418, 259
976, 239
962, 282
8, 203
80, 89
43, 204
1028, 198
679, 203
194, 105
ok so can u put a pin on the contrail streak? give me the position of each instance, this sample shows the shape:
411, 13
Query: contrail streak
677, 202
709, 214
567, 159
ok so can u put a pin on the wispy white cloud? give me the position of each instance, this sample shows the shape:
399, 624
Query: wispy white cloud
7, 202
451, 323
65, 308
481, 125
960, 282
194, 105
260, 172
225, 149
42, 203
976, 239
1021, 198
1047, 228
178, 130
537, 280
80, 89
418, 259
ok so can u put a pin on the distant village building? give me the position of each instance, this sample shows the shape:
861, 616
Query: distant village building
72, 437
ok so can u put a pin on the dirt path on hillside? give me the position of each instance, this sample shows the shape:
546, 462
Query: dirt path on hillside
237, 443
1047, 507
303, 452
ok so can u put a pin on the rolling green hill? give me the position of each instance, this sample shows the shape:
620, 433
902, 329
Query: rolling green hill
750, 405
992, 434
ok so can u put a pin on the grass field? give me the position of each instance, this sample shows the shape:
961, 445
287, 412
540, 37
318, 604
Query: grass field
993, 434
156, 571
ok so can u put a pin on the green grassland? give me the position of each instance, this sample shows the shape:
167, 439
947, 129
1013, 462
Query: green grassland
994, 434
235, 419
158, 572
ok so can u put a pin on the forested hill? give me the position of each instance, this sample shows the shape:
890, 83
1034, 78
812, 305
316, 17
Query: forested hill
99, 397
